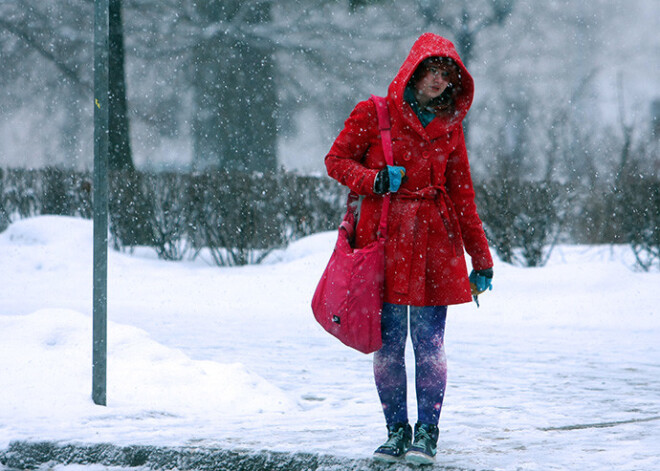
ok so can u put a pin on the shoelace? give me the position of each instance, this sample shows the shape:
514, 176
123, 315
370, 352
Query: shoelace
422, 434
394, 438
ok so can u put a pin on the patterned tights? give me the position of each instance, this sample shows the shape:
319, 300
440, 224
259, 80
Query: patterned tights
427, 329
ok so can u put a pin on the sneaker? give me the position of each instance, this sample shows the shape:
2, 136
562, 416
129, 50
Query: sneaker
398, 441
425, 445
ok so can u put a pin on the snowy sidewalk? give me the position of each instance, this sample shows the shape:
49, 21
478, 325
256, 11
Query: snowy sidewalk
111, 458
558, 370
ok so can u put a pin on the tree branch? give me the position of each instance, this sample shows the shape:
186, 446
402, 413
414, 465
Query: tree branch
48, 55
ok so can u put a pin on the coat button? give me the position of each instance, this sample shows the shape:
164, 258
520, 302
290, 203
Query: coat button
426, 154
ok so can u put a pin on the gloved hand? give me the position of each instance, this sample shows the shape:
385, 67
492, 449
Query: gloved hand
481, 280
389, 179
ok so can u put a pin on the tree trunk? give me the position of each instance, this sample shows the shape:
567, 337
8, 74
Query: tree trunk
234, 126
465, 39
119, 147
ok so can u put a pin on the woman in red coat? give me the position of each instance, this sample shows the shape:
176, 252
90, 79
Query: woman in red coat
432, 218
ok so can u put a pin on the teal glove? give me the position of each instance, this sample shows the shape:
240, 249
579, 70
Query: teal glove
481, 280
396, 175
389, 179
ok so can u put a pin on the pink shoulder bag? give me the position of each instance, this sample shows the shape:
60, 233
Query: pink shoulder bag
349, 297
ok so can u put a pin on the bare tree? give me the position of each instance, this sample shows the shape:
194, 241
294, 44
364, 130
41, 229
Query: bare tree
119, 143
234, 126
248, 65
465, 21
59, 35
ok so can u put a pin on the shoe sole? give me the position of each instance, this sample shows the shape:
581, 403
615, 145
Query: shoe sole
382, 458
415, 457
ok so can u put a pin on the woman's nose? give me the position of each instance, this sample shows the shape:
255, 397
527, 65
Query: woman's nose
441, 79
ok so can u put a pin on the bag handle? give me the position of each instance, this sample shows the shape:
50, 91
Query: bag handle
384, 127
386, 139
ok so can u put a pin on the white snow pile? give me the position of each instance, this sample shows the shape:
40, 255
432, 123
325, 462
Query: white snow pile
46, 355
50, 371
558, 369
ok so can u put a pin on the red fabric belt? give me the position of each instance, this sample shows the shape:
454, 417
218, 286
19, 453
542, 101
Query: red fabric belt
414, 232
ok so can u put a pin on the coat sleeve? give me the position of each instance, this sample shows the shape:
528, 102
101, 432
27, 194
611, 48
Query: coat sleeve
461, 191
345, 161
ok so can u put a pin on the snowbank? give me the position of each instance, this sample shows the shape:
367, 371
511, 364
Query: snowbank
47, 371
558, 369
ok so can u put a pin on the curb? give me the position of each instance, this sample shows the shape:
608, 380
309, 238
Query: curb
31, 455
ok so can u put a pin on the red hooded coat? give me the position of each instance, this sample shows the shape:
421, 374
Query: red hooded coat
433, 215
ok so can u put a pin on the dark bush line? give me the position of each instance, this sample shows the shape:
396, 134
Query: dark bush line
240, 217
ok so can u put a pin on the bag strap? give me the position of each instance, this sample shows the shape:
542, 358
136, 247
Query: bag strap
384, 127
386, 139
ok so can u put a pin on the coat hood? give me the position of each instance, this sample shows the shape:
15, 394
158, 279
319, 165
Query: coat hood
431, 45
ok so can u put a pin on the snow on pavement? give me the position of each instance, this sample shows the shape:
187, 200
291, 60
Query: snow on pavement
558, 369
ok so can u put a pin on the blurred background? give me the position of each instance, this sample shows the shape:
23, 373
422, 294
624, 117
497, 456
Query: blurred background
567, 92
259, 84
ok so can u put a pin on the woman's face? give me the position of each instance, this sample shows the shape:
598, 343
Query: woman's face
435, 78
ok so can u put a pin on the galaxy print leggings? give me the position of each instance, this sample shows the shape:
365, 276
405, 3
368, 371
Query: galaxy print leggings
427, 330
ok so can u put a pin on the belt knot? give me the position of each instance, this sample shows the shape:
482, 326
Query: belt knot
427, 193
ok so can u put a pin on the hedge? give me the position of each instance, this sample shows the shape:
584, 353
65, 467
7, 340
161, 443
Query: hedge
240, 217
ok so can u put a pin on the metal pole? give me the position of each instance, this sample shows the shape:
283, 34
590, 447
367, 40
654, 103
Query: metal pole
100, 286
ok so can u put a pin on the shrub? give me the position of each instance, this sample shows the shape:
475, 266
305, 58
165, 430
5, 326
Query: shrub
130, 210
240, 217
522, 220
640, 209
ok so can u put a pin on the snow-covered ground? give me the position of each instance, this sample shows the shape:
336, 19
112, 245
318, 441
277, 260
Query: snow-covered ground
558, 369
